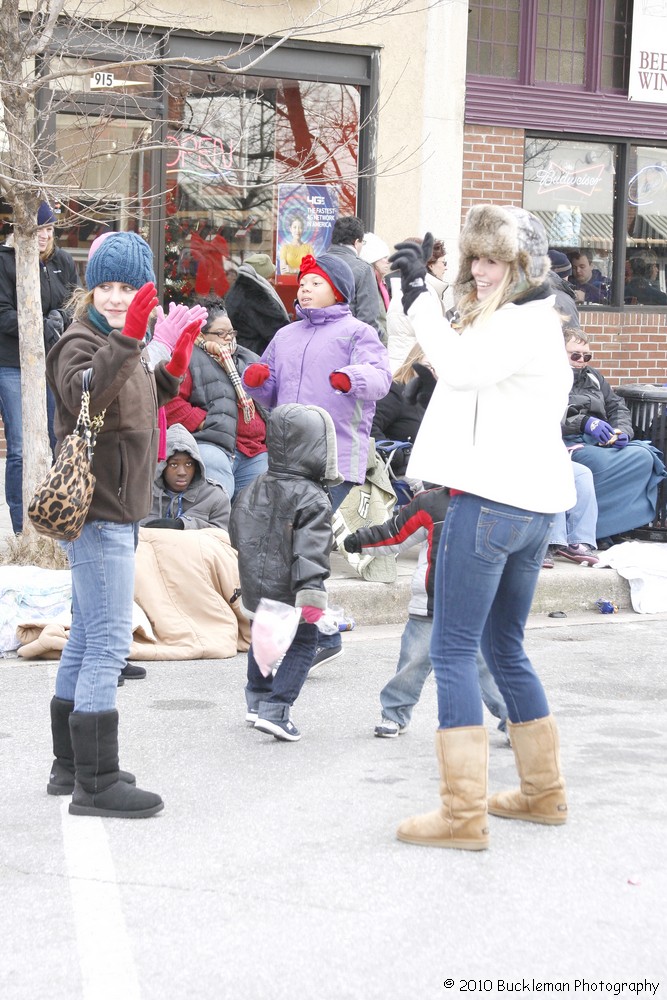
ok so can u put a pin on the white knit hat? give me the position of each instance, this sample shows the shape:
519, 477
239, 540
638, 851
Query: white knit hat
373, 248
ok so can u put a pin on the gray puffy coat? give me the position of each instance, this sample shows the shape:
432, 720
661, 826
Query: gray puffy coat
281, 522
213, 391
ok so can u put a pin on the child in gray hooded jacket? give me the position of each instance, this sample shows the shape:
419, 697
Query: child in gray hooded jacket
281, 527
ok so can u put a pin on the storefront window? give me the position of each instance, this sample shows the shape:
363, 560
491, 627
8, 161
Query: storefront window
569, 185
113, 181
646, 244
88, 77
245, 157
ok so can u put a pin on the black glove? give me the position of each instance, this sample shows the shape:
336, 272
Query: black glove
54, 325
411, 260
352, 544
166, 522
427, 381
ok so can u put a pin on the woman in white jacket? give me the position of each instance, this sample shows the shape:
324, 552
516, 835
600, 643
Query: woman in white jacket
499, 361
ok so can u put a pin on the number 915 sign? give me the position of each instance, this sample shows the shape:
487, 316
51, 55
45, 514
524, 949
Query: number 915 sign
102, 81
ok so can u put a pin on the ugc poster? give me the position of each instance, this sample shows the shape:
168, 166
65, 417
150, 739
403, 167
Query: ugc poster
306, 214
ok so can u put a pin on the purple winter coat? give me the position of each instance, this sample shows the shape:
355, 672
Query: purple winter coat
301, 358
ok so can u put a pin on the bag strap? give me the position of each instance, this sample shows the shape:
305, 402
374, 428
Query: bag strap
88, 429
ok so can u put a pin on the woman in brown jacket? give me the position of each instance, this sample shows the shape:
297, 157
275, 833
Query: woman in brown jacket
107, 338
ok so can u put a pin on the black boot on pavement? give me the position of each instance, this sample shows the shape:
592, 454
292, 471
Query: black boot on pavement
98, 790
61, 779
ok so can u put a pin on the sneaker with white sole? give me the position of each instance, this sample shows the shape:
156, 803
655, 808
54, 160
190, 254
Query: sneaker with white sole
280, 729
579, 553
388, 729
251, 716
324, 654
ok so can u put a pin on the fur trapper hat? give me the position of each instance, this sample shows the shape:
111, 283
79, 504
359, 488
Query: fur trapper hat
504, 232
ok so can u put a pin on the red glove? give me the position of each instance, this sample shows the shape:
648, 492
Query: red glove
311, 614
141, 306
256, 375
340, 381
180, 358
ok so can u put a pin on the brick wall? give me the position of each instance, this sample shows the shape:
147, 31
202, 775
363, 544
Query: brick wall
628, 347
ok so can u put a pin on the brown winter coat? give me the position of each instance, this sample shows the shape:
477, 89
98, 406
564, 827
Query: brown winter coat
124, 384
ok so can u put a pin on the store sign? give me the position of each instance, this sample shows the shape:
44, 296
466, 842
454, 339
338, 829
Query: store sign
648, 59
555, 177
203, 156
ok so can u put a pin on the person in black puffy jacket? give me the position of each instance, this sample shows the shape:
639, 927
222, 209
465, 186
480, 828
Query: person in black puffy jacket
58, 278
281, 527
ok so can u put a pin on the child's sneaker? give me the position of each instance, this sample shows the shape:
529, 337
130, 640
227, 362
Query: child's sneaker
324, 654
388, 729
281, 729
251, 716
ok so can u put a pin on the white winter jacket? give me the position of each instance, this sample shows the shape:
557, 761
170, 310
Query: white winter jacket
400, 334
492, 427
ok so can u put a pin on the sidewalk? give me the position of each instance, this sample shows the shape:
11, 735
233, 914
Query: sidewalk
567, 587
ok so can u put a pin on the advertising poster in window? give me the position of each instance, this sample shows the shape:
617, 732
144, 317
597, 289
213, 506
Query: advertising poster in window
648, 58
306, 215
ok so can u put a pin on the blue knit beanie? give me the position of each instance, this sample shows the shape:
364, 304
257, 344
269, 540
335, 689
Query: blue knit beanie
123, 257
45, 215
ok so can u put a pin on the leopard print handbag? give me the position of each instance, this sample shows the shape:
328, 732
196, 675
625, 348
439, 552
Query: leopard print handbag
62, 500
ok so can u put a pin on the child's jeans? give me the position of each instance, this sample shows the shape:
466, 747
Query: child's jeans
403, 691
273, 696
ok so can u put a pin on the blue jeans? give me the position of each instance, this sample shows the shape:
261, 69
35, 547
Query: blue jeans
579, 523
102, 564
403, 691
12, 419
273, 696
487, 569
234, 473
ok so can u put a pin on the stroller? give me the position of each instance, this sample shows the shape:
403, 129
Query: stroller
394, 456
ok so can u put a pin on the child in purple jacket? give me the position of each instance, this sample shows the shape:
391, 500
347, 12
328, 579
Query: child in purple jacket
327, 358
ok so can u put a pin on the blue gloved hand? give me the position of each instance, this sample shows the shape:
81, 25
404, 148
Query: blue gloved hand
411, 260
599, 429
621, 441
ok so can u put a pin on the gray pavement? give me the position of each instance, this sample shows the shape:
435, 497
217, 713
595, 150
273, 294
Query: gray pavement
274, 871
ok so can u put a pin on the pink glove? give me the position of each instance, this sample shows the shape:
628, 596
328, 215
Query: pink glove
180, 359
340, 381
169, 328
256, 375
141, 306
311, 614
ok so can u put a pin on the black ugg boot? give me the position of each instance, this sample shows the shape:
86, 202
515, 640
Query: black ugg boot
61, 779
97, 788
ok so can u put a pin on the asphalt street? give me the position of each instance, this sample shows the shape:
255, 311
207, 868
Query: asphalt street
274, 872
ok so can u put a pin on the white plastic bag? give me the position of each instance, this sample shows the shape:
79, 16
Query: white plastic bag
272, 632
330, 620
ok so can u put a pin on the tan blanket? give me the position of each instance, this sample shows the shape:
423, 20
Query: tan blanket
184, 583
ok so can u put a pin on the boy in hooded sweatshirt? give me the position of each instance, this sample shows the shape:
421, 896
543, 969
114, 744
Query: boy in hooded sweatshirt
182, 495
281, 528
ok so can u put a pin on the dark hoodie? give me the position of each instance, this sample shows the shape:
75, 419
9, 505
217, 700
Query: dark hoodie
281, 522
204, 504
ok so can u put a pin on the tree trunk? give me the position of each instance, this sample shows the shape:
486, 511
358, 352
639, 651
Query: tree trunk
36, 448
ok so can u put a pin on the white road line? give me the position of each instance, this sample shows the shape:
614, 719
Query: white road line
105, 951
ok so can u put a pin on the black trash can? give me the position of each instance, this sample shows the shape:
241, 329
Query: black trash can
648, 410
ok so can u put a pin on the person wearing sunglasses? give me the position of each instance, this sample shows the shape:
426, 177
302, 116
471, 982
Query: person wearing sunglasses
598, 429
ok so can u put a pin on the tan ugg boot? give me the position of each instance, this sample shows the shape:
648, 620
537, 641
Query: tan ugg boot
461, 820
542, 795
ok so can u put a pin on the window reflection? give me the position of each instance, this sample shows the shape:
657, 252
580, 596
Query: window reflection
646, 243
569, 185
